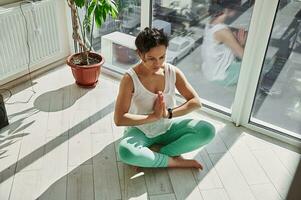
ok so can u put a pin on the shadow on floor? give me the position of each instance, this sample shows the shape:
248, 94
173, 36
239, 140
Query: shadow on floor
38, 153
59, 99
52, 101
101, 177
295, 191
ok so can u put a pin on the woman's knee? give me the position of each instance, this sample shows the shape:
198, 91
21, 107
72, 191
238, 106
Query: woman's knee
206, 130
125, 152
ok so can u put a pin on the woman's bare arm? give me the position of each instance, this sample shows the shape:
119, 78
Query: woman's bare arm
187, 91
226, 36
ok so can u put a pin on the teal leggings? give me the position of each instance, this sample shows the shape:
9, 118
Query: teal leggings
184, 135
232, 75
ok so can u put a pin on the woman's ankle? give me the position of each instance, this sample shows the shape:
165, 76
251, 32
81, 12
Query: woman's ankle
183, 163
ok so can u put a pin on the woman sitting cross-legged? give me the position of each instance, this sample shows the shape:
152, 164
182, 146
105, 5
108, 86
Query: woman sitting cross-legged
146, 106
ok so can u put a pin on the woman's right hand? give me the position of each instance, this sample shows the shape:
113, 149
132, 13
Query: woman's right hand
159, 106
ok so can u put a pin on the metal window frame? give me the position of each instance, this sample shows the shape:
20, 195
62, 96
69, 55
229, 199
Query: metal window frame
146, 7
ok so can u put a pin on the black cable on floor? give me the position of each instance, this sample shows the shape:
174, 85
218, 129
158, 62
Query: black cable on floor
29, 59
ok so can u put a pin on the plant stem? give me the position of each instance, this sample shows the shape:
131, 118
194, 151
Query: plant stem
80, 25
91, 37
85, 31
76, 35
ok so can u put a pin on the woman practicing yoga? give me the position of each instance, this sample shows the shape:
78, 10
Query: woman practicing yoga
222, 49
146, 106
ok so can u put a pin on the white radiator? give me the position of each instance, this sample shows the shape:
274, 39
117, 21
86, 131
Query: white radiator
43, 36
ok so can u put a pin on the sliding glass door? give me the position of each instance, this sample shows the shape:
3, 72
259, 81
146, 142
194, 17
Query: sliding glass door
278, 96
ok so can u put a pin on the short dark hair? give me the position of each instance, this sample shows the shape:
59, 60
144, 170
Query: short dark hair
149, 38
217, 6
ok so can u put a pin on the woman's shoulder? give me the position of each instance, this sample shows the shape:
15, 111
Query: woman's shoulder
127, 79
175, 71
131, 74
218, 27
170, 66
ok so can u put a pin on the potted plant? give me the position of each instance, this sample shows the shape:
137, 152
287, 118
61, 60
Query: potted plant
85, 64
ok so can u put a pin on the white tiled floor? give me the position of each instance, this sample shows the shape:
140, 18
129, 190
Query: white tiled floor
62, 145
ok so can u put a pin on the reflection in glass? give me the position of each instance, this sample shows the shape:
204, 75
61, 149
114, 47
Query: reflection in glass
278, 97
124, 57
222, 48
128, 21
192, 51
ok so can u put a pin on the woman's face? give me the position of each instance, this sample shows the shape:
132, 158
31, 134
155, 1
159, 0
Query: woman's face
153, 59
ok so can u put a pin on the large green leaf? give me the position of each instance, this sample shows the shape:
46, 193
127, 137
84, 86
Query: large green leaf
112, 8
79, 3
100, 8
104, 13
114, 12
91, 8
112, 4
98, 16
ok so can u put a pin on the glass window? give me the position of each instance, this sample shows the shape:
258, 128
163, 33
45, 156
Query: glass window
128, 22
124, 57
278, 96
197, 29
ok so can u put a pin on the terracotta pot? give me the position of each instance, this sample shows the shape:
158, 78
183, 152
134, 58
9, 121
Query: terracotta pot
86, 75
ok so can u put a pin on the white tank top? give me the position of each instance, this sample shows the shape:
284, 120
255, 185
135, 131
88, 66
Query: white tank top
143, 101
216, 56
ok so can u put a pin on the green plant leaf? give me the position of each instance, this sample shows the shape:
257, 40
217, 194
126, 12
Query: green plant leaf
98, 16
104, 12
97, 10
112, 4
79, 3
91, 8
114, 12
112, 8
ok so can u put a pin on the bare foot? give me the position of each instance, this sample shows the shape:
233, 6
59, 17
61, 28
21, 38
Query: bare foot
180, 162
